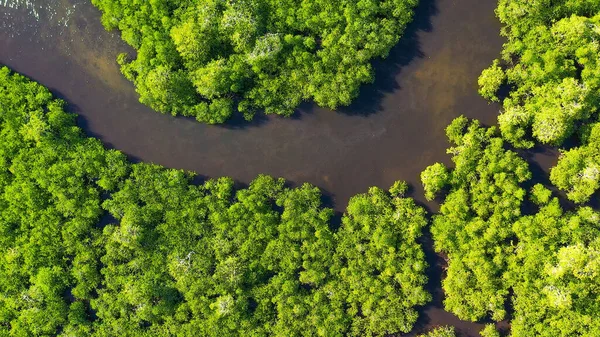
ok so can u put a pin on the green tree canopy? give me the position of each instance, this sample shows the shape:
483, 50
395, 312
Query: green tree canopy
548, 260
52, 180
379, 264
442, 331
578, 169
473, 227
551, 66
207, 59
93, 245
555, 272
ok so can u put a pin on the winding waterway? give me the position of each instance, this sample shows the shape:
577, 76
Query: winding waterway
393, 131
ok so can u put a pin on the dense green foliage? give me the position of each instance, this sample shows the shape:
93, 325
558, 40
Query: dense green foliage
578, 169
549, 260
443, 331
552, 67
182, 259
93, 245
489, 331
555, 273
473, 226
379, 264
209, 58
51, 184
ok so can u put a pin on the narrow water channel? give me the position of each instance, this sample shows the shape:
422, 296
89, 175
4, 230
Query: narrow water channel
392, 132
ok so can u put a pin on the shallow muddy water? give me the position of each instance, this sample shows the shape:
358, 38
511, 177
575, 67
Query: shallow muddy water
392, 132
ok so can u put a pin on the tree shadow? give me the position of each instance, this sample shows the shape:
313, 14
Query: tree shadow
238, 122
328, 201
386, 70
371, 95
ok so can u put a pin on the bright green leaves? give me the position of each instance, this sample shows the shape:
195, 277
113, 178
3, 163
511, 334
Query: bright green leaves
490, 81
489, 331
484, 198
165, 90
213, 80
552, 70
257, 54
242, 266
434, 178
380, 264
555, 274
578, 169
548, 260
51, 183
443, 331
540, 195
558, 107
178, 258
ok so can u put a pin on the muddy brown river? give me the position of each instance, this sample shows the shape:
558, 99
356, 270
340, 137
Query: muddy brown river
392, 131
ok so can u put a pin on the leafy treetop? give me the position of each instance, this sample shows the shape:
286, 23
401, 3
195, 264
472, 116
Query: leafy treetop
207, 59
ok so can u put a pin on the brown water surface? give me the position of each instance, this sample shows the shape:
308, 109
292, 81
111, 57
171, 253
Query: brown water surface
393, 131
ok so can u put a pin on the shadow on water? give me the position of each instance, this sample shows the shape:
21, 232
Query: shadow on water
238, 122
388, 69
328, 200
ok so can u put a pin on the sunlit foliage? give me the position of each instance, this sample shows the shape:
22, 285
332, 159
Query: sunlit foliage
547, 263
176, 258
473, 226
442, 331
551, 66
208, 59
555, 273
578, 169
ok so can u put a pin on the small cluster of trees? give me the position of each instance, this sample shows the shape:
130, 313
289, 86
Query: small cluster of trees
482, 199
551, 67
448, 331
442, 331
207, 59
185, 259
546, 263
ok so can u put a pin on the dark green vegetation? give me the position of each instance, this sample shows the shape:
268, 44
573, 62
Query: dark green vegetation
551, 65
185, 259
547, 263
207, 59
